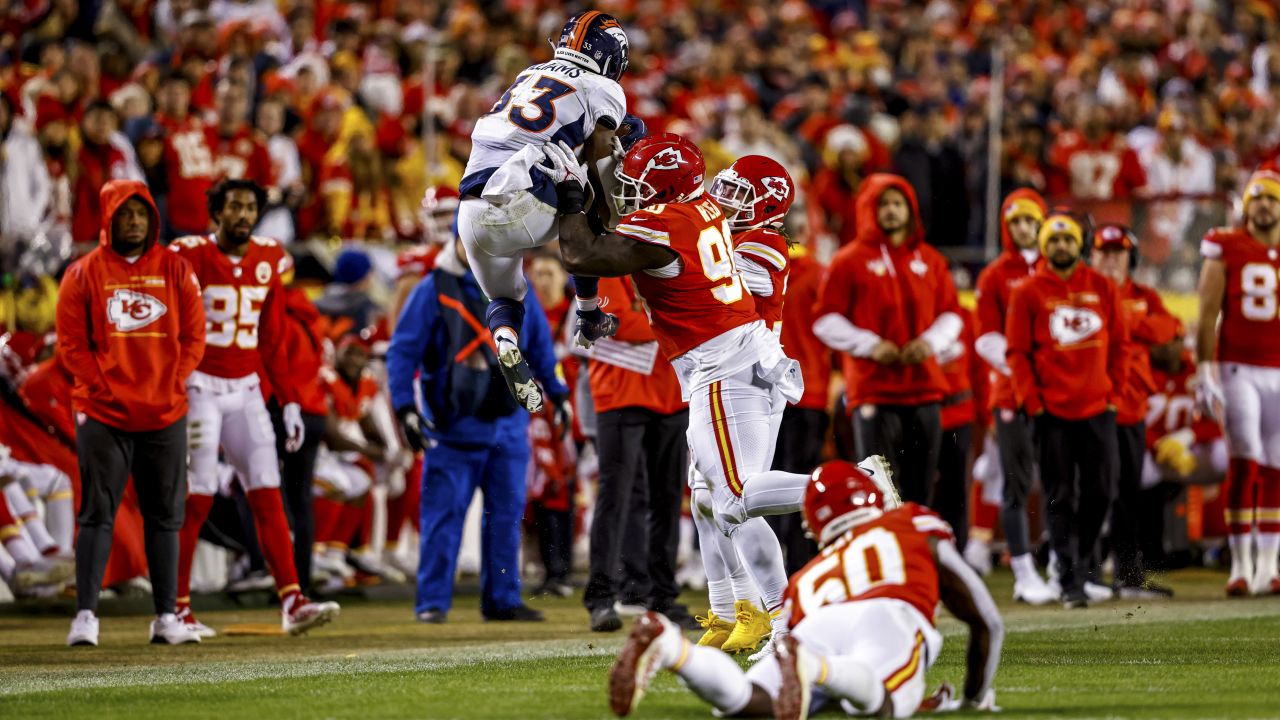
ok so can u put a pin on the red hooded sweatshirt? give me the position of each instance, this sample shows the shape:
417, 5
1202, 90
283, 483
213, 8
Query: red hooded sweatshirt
1149, 324
1067, 343
896, 293
797, 328
995, 284
130, 333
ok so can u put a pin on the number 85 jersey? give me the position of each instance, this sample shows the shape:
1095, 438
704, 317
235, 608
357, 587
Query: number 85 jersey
1250, 329
700, 295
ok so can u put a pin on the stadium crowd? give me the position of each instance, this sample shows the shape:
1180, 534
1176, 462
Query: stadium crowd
349, 114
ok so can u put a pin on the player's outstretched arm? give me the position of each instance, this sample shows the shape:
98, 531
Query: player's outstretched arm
607, 254
1213, 286
964, 596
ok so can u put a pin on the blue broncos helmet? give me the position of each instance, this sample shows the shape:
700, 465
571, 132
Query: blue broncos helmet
595, 41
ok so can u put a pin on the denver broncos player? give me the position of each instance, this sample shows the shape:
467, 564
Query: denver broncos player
1239, 361
862, 615
675, 244
508, 207
239, 276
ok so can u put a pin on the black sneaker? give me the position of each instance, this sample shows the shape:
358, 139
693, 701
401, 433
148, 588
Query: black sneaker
680, 617
520, 382
1075, 599
433, 617
605, 619
519, 613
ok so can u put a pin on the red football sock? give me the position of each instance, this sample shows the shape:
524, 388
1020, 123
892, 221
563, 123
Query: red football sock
327, 513
1241, 483
413, 492
197, 510
395, 518
273, 536
1268, 514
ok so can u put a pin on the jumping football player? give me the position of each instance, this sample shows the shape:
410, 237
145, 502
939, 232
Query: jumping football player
862, 615
239, 275
1239, 360
507, 206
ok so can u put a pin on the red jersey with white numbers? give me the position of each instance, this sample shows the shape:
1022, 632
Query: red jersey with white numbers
1173, 405
701, 295
191, 170
1250, 329
243, 308
888, 558
241, 155
768, 249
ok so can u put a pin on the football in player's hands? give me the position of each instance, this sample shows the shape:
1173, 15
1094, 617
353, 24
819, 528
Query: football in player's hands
885, 352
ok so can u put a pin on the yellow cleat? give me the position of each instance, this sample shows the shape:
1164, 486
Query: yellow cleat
752, 627
717, 630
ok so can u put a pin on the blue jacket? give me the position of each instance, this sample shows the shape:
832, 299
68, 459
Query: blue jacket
421, 326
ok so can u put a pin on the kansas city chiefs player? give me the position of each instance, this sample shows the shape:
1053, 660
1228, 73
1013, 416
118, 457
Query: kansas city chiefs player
239, 277
1239, 361
862, 615
755, 192
675, 243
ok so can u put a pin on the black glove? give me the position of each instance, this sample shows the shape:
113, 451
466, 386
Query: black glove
570, 197
415, 427
564, 414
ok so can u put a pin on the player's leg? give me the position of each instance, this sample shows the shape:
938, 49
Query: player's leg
159, 468
619, 440
1096, 456
53, 487
1266, 577
1057, 473
1125, 512
655, 644
918, 442
448, 484
666, 452
204, 436
1017, 458
878, 431
35, 530
1244, 437
987, 495
718, 621
502, 482
297, 474
950, 493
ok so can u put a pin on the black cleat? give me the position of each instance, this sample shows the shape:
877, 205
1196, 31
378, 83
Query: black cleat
433, 617
515, 370
593, 325
605, 619
519, 613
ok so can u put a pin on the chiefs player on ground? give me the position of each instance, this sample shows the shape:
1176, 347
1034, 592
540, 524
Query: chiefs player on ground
676, 246
1240, 376
244, 311
861, 612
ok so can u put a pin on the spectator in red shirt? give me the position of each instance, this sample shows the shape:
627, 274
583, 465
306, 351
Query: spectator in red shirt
1067, 356
238, 151
97, 162
188, 159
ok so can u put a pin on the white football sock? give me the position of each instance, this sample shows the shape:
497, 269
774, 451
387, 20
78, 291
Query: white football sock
506, 334
715, 677
1024, 569
740, 579
39, 536
846, 678
774, 493
762, 555
60, 517
720, 595
7, 566
587, 304
20, 547
719, 591
1241, 556
1268, 551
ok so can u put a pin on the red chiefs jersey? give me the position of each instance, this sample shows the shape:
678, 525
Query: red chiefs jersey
1107, 169
768, 249
191, 170
1250, 329
1173, 406
888, 558
348, 403
244, 308
701, 296
242, 155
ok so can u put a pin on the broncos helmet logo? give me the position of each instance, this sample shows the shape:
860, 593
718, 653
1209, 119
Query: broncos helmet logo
666, 159
776, 187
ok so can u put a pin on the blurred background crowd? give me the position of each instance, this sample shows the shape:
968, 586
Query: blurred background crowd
1140, 111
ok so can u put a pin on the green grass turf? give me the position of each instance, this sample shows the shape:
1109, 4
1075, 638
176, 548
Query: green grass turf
1198, 656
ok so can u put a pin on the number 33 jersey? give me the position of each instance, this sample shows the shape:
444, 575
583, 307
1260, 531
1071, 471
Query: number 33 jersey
700, 295
888, 557
1250, 329
243, 307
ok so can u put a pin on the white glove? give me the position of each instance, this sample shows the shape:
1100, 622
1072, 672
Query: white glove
295, 431
561, 164
1209, 394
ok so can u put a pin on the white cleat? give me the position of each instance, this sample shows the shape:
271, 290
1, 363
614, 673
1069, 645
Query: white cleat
406, 566
1097, 592
977, 553
307, 614
54, 570
1035, 592
640, 660
333, 564
877, 466
84, 629
168, 629
768, 649
204, 632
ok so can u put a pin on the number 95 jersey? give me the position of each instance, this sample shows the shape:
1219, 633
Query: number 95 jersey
888, 557
700, 295
1250, 329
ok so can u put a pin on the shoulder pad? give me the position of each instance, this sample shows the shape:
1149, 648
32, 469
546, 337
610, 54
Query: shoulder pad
187, 242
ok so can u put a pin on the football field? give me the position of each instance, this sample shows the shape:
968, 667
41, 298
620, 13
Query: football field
1196, 657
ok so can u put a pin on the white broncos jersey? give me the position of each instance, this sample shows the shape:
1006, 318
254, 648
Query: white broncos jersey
551, 102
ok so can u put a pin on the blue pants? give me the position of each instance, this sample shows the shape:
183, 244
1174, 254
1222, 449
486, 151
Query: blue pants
450, 476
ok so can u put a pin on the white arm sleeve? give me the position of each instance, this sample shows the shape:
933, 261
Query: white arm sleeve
757, 278
837, 333
950, 557
992, 348
943, 333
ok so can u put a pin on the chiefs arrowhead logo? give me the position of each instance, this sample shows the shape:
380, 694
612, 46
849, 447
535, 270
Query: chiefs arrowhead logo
666, 159
129, 310
776, 187
1070, 325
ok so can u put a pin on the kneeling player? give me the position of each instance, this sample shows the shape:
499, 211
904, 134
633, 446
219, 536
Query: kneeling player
861, 615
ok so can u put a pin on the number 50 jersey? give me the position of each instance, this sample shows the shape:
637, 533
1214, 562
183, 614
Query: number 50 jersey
1250, 329
700, 295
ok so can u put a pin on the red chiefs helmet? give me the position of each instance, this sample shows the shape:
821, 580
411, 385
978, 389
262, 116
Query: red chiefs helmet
755, 191
661, 168
839, 496
438, 208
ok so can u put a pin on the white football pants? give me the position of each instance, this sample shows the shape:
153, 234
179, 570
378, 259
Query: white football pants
497, 236
229, 414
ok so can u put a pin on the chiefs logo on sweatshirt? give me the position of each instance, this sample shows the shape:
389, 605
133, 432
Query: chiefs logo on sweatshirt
1070, 325
131, 310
